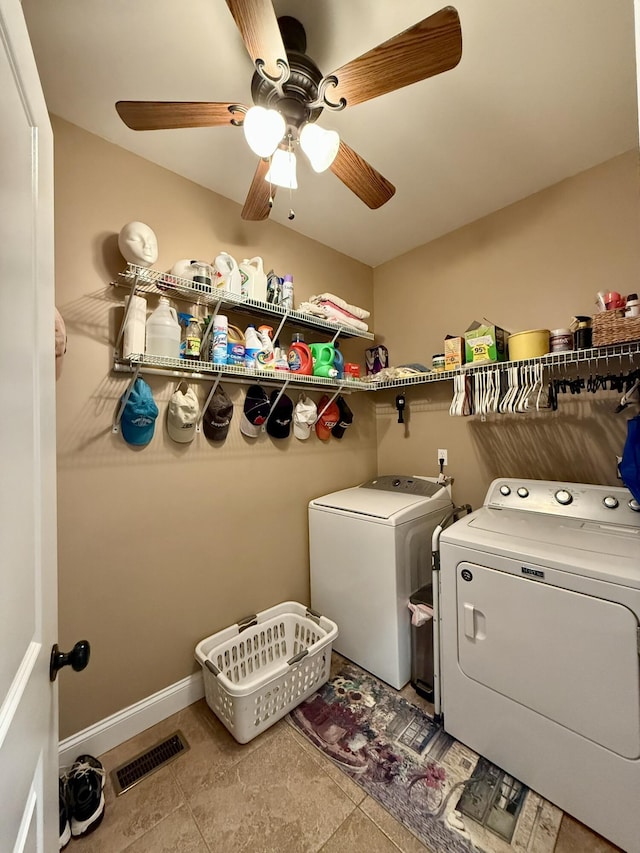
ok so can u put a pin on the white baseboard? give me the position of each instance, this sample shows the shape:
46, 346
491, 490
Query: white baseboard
114, 730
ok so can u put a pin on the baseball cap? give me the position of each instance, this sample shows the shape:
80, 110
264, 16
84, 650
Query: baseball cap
217, 416
139, 415
279, 421
255, 411
345, 420
328, 419
182, 414
304, 417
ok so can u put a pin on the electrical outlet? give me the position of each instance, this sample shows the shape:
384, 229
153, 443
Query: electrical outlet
442, 454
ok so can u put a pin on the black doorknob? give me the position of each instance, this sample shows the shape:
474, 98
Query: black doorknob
77, 658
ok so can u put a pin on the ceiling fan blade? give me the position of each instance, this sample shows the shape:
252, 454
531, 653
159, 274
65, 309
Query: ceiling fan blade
164, 115
428, 48
361, 178
258, 25
256, 207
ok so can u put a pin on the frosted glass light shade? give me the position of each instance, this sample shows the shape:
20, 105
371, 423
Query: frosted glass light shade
282, 171
320, 146
263, 130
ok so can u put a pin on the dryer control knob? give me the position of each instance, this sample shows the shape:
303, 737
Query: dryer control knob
634, 505
610, 502
522, 492
563, 497
505, 490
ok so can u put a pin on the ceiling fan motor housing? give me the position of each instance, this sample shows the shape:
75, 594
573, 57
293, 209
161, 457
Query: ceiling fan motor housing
300, 89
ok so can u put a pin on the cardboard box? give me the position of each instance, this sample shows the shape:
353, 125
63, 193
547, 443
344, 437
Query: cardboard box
485, 343
454, 353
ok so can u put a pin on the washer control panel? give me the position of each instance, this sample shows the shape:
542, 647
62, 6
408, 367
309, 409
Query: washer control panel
606, 504
406, 485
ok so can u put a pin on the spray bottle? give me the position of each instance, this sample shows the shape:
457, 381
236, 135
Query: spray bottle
265, 357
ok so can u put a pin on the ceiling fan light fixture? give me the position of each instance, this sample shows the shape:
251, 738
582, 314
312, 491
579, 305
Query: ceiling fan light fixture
263, 130
321, 146
282, 171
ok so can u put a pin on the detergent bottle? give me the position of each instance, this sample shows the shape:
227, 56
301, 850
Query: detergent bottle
252, 346
235, 345
280, 359
323, 358
300, 358
265, 357
338, 361
227, 275
254, 279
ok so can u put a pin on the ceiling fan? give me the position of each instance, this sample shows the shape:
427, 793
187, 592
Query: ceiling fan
289, 93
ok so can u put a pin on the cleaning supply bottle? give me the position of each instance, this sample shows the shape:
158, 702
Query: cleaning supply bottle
227, 275
235, 346
219, 348
264, 357
338, 361
193, 339
252, 346
323, 358
254, 279
163, 331
184, 319
300, 358
287, 293
280, 360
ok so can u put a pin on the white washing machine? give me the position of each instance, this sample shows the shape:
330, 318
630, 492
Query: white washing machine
370, 549
539, 631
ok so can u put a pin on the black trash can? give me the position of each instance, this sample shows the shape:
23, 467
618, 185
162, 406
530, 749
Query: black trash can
422, 647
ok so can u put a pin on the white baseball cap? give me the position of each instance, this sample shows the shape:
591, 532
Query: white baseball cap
182, 414
304, 417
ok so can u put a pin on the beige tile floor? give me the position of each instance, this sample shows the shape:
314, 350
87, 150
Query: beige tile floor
276, 794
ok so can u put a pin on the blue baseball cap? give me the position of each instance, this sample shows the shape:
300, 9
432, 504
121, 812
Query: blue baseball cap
139, 415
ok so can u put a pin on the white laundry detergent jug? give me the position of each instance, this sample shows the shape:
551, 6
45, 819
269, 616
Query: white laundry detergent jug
254, 279
163, 331
227, 274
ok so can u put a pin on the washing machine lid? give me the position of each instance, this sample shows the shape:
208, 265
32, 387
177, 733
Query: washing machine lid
386, 506
609, 552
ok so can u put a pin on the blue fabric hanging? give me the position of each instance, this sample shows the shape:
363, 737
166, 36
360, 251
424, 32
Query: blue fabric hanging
630, 464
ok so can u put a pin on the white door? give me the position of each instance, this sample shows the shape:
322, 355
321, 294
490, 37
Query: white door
563, 654
28, 701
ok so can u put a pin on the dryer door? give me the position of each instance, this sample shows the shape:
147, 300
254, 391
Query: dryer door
566, 655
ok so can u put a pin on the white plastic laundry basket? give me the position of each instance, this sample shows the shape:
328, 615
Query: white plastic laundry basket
256, 671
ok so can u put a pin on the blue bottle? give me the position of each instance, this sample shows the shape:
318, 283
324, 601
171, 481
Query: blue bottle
338, 361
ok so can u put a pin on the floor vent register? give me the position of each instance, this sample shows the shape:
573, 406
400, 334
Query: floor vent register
143, 765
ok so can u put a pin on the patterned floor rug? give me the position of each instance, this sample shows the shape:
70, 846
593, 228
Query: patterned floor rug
452, 799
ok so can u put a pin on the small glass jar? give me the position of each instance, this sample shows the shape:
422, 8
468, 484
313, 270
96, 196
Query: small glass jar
583, 335
438, 361
561, 340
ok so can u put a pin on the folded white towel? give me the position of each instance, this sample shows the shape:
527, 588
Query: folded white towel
360, 313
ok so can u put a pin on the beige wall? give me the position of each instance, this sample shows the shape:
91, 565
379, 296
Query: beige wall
532, 265
162, 546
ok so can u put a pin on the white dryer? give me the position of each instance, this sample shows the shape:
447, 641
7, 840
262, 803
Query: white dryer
539, 631
370, 549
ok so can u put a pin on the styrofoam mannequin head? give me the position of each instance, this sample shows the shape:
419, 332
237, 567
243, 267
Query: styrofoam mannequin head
138, 244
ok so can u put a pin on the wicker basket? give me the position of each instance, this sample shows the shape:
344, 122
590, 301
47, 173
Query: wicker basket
611, 327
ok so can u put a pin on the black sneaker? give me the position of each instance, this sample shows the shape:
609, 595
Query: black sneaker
65, 827
86, 784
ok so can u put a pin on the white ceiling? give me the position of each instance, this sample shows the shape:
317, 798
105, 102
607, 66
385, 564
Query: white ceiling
545, 89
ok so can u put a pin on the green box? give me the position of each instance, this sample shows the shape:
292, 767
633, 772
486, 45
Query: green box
485, 343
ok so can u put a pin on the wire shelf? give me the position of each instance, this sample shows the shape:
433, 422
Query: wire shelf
555, 359
148, 280
178, 367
